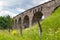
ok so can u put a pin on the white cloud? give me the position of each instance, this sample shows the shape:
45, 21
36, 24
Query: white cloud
37, 2
20, 10
10, 3
1, 5
5, 13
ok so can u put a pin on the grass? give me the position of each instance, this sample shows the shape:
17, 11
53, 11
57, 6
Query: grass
50, 26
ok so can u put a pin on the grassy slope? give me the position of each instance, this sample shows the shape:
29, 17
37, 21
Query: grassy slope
50, 26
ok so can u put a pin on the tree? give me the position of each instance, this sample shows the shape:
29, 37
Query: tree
40, 28
39, 25
8, 22
5, 21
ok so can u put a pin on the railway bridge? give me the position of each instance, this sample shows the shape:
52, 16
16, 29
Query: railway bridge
29, 17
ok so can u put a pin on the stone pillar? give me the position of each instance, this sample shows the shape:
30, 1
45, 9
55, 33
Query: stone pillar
14, 24
30, 22
17, 24
30, 19
22, 23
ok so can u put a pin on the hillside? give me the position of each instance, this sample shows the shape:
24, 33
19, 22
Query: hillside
50, 27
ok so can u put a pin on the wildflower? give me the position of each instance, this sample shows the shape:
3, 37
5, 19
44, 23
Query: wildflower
14, 32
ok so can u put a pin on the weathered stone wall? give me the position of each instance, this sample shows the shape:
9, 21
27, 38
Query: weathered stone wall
46, 9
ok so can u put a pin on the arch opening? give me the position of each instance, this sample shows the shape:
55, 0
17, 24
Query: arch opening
26, 22
37, 16
55, 9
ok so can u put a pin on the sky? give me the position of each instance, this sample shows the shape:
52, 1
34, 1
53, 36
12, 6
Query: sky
15, 7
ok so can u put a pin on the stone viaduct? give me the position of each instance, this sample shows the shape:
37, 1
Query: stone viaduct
30, 16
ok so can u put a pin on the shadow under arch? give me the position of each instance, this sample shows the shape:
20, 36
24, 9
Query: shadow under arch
37, 16
26, 21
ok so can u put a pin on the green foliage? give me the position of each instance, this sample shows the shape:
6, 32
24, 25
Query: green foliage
4, 22
51, 25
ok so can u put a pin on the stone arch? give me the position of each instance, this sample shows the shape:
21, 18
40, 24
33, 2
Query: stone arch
26, 21
55, 8
37, 16
19, 22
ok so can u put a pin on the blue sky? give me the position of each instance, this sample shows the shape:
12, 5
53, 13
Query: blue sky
14, 7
